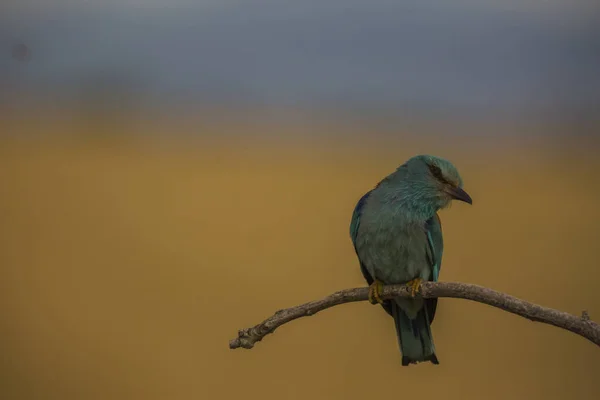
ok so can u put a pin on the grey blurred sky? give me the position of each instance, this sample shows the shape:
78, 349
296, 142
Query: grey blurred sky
486, 56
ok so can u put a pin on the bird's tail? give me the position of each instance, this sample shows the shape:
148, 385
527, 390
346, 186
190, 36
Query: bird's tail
414, 336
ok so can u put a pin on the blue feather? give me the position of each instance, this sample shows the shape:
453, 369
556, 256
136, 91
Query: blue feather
354, 224
435, 239
356, 216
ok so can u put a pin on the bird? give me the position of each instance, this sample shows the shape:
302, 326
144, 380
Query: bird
397, 236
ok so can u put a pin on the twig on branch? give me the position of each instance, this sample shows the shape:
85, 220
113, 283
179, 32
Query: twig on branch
581, 325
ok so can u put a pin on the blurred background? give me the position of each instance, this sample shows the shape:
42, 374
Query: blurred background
171, 172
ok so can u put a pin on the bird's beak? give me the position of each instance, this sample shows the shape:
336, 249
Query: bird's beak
459, 194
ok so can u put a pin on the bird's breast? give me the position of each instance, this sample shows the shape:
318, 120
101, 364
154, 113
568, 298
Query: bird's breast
392, 250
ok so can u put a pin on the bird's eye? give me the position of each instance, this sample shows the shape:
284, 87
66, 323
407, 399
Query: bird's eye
437, 173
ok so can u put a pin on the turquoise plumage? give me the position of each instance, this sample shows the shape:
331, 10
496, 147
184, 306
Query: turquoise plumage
397, 236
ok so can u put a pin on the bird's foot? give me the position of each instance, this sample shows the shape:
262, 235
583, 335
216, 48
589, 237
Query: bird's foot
415, 286
375, 291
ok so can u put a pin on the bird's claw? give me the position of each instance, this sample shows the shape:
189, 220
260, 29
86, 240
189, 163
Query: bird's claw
375, 292
415, 286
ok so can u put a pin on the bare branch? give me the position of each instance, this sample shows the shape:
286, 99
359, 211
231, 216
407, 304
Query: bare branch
582, 325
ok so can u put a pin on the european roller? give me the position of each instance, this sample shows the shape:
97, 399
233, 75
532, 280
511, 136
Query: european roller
397, 235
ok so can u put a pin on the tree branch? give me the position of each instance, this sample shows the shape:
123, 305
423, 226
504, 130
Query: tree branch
582, 325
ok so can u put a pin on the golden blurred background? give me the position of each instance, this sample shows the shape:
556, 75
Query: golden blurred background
130, 259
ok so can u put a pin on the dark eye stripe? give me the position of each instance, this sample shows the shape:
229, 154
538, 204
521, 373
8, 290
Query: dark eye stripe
437, 173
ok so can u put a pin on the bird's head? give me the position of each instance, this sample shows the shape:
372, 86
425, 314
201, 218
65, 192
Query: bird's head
434, 180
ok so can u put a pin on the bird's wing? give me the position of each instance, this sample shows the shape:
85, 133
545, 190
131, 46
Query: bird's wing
354, 232
354, 223
436, 244
435, 249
